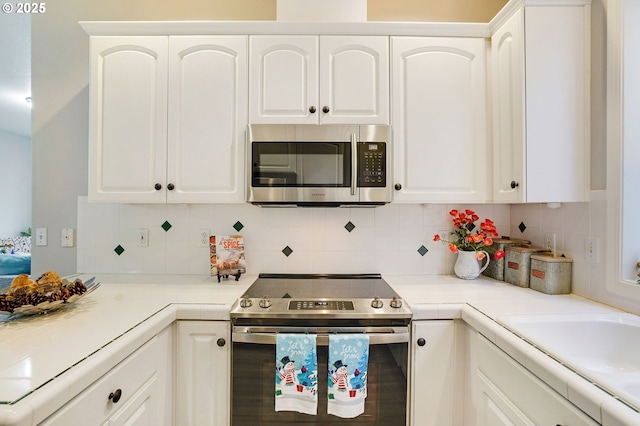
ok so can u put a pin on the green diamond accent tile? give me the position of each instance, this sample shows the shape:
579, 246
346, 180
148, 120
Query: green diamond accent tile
349, 226
119, 250
238, 226
166, 226
423, 250
287, 251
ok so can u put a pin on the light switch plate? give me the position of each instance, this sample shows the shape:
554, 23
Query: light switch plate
68, 237
41, 236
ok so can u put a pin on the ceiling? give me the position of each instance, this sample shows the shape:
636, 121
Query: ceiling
15, 73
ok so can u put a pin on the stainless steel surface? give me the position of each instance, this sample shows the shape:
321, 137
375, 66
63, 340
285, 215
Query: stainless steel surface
354, 163
321, 196
267, 335
364, 297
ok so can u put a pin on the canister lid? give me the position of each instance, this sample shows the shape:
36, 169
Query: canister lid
551, 258
527, 249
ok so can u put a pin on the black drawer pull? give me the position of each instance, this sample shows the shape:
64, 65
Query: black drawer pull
115, 396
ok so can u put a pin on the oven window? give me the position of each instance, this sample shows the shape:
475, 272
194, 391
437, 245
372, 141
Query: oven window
253, 401
301, 164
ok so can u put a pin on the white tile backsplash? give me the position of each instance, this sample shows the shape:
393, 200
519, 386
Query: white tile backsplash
385, 239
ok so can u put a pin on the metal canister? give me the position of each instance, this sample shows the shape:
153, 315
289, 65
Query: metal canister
551, 274
518, 264
496, 266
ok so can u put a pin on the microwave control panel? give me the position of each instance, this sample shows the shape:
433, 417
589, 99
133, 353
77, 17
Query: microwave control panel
372, 164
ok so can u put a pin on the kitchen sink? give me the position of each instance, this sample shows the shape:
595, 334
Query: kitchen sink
604, 348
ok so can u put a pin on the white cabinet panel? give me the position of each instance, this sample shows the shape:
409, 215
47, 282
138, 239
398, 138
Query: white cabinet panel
207, 118
127, 122
319, 79
502, 392
144, 382
203, 373
540, 79
436, 366
168, 119
439, 117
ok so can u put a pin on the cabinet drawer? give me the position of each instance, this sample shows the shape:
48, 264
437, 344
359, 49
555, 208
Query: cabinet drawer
514, 391
93, 406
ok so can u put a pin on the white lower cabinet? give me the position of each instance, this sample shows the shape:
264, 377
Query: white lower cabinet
136, 392
436, 373
502, 392
203, 357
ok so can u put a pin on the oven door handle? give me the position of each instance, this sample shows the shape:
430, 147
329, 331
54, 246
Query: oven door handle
267, 336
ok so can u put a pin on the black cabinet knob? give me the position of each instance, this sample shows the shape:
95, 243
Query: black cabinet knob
312, 109
170, 187
514, 184
157, 187
115, 396
221, 342
397, 186
421, 342
325, 109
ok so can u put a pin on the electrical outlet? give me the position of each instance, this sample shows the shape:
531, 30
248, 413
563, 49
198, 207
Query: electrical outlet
444, 235
143, 237
591, 250
550, 242
67, 236
203, 238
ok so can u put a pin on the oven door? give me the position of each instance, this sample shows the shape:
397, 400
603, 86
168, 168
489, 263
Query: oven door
253, 377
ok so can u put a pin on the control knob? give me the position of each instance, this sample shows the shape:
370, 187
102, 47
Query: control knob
265, 302
245, 302
377, 303
395, 302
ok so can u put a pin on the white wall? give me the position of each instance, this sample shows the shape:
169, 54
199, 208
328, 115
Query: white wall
15, 184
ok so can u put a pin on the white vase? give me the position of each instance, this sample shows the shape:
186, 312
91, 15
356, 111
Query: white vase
468, 267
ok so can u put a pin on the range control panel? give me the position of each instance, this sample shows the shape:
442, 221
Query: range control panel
315, 305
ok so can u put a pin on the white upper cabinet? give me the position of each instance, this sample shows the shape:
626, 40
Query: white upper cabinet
439, 120
207, 118
128, 119
167, 121
319, 79
540, 80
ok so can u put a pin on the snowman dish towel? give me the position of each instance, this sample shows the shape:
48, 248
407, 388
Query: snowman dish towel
347, 374
296, 373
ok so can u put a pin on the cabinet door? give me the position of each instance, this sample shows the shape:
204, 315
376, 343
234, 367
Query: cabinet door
435, 379
203, 373
505, 393
354, 80
507, 56
128, 119
207, 118
145, 381
283, 80
439, 116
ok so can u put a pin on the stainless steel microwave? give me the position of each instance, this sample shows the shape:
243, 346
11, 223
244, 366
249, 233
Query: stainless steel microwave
318, 165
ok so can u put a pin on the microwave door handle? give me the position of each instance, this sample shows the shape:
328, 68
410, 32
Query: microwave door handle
354, 164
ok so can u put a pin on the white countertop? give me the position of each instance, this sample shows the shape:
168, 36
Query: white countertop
45, 360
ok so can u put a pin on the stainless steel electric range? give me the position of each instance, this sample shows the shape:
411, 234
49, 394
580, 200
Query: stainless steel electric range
319, 304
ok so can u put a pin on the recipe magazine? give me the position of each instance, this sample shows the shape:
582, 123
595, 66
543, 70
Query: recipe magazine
227, 255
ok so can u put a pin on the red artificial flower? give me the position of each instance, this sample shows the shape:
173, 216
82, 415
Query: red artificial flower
468, 236
479, 255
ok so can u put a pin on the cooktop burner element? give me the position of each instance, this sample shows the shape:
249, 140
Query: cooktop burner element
276, 297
